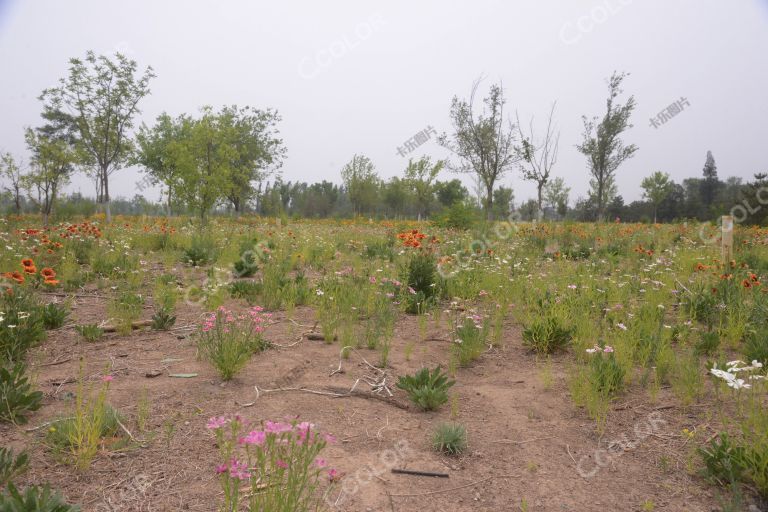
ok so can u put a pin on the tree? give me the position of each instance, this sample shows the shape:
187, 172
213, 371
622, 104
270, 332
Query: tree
154, 154
101, 96
755, 195
451, 192
480, 141
556, 195
260, 152
502, 202
420, 175
657, 187
52, 163
604, 150
360, 179
537, 157
11, 171
710, 184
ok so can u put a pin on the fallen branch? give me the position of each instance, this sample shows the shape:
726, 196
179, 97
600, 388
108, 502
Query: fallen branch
449, 489
419, 473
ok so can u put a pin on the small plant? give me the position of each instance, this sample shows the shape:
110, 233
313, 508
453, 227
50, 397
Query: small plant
16, 396
547, 335
11, 466
756, 346
606, 376
90, 332
708, 343
421, 281
723, 460
126, 309
248, 290
470, 339
34, 499
201, 251
428, 390
92, 420
282, 460
54, 315
143, 410
163, 320
228, 339
450, 438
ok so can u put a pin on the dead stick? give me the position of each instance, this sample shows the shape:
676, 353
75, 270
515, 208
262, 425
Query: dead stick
419, 473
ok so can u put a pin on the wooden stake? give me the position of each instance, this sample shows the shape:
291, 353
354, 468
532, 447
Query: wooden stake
727, 249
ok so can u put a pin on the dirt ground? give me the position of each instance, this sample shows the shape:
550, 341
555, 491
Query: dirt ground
530, 447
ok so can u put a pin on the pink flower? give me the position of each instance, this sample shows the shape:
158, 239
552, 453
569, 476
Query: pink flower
608, 349
411, 291
256, 437
372, 279
277, 428
238, 470
281, 464
107, 378
329, 438
221, 468
333, 474
321, 463
216, 423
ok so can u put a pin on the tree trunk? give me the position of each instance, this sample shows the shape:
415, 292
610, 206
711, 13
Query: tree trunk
489, 202
105, 187
539, 213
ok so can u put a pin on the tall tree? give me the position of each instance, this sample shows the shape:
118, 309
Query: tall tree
602, 145
421, 175
556, 195
361, 181
538, 155
656, 188
502, 202
11, 170
260, 152
710, 184
52, 164
482, 141
450, 192
154, 153
101, 97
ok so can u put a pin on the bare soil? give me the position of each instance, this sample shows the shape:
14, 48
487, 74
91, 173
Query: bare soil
529, 445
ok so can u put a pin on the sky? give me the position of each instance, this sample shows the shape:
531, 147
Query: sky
359, 77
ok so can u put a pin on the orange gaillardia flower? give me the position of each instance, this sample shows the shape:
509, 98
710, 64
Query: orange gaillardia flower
48, 273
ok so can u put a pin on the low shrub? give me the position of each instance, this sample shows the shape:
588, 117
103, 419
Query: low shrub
427, 390
450, 438
547, 335
17, 399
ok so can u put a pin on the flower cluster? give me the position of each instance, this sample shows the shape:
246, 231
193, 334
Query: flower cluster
282, 458
413, 238
255, 318
729, 375
598, 349
47, 275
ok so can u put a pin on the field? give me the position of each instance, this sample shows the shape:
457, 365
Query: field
597, 366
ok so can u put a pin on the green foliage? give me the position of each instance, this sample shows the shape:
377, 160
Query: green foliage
227, 341
756, 345
547, 335
248, 290
470, 340
708, 343
54, 315
606, 375
723, 460
126, 308
422, 278
428, 390
11, 466
21, 326
459, 215
16, 396
201, 251
90, 332
163, 320
450, 438
34, 499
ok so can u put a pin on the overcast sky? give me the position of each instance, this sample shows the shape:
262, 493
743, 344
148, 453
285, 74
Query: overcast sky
363, 77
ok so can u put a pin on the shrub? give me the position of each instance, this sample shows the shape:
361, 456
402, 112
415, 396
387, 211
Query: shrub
450, 438
16, 395
21, 324
227, 339
723, 460
427, 390
11, 466
606, 375
54, 315
458, 216
421, 281
34, 499
547, 335
248, 290
162, 320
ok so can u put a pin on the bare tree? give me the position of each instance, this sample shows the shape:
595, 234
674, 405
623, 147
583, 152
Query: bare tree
11, 170
538, 156
480, 140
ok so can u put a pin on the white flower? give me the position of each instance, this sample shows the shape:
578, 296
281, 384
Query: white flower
621, 326
319, 292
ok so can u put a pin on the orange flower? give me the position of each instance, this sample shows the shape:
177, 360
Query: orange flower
48, 273
16, 276
51, 282
27, 262
30, 270
746, 283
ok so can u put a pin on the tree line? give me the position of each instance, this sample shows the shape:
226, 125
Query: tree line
228, 161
